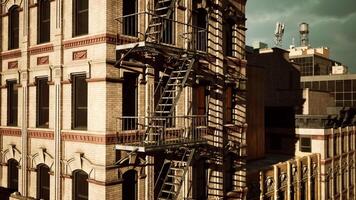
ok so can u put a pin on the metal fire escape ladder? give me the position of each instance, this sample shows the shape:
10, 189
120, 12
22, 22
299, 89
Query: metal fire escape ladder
168, 100
162, 13
175, 175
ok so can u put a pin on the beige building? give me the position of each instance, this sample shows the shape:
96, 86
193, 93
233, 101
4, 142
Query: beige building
122, 99
334, 140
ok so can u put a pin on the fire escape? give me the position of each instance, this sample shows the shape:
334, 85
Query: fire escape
162, 129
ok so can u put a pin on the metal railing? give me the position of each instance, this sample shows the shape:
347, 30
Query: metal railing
173, 130
174, 32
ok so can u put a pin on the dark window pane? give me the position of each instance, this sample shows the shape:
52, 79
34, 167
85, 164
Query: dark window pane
80, 101
12, 99
200, 100
13, 32
347, 85
339, 86
323, 85
339, 96
339, 103
43, 182
228, 37
228, 105
305, 144
354, 85
315, 85
331, 86
130, 22
13, 175
42, 102
307, 85
129, 185
348, 103
44, 17
200, 35
81, 17
80, 185
347, 96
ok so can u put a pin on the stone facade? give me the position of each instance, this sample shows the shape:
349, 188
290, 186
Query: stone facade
66, 150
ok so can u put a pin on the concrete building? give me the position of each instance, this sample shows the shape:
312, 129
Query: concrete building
282, 99
129, 99
333, 137
341, 86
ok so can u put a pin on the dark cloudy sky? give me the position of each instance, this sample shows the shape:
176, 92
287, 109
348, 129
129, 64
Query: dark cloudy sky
332, 24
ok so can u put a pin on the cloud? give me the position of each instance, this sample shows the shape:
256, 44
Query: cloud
332, 24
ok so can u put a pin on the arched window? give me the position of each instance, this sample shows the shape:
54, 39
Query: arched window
14, 27
80, 17
12, 175
80, 185
129, 185
44, 21
43, 182
200, 22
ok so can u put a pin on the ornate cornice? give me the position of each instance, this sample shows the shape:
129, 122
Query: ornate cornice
89, 40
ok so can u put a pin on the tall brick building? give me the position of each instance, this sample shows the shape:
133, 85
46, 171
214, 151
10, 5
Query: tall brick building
123, 99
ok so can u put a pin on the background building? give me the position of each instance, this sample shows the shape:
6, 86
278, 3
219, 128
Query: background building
123, 99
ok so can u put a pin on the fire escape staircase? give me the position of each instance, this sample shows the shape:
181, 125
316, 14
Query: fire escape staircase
162, 13
168, 99
174, 176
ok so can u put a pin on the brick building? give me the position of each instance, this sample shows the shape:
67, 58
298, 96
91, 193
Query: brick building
122, 99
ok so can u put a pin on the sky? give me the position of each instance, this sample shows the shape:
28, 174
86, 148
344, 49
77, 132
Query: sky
332, 24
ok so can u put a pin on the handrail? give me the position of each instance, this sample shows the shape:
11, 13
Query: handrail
148, 13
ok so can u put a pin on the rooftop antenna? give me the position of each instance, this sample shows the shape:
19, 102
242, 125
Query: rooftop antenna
304, 34
278, 33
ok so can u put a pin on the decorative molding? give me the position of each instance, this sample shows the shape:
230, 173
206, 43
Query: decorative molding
103, 183
80, 55
10, 132
11, 54
43, 60
13, 65
89, 138
49, 135
66, 82
107, 79
124, 39
39, 49
90, 40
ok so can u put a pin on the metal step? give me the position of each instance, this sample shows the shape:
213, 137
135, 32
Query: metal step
169, 192
155, 24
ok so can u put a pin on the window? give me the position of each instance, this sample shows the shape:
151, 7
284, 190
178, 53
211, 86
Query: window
130, 20
129, 101
200, 179
200, 22
129, 185
43, 182
80, 17
229, 172
228, 37
228, 105
42, 102
79, 102
200, 100
305, 144
44, 21
12, 103
80, 185
13, 27
13, 175
200, 104
168, 32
